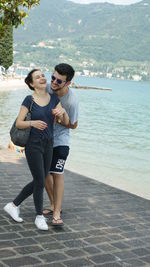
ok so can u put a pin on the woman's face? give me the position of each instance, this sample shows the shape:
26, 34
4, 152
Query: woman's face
38, 80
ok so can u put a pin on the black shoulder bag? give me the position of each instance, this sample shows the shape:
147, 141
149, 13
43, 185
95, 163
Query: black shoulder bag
20, 136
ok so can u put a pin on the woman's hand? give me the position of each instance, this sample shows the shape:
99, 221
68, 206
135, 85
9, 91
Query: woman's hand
41, 125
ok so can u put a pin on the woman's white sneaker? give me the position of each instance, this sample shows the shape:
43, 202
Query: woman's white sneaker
13, 212
40, 222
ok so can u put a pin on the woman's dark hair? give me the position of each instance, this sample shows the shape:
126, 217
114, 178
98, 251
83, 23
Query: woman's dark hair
29, 79
65, 69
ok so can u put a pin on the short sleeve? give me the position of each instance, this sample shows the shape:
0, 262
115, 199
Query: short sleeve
73, 111
27, 102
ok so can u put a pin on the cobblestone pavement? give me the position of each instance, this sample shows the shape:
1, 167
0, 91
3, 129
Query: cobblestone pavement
104, 226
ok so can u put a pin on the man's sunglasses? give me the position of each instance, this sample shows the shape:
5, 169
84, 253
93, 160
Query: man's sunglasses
59, 81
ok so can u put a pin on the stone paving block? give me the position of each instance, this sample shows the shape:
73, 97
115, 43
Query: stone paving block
119, 245
52, 257
133, 234
53, 246
113, 264
112, 230
91, 250
4, 253
29, 249
141, 251
127, 228
28, 226
106, 247
75, 253
28, 233
96, 232
75, 244
51, 265
83, 234
4, 223
14, 228
9, 236
59, 230
124, 255
105, 258
6, 244
44, 239
78, 263
133, 263
96, 240
146, 240
81, 227
140, 227
117, 223
99, 225
135, 243
25, 241
115, 216
1, 216
67, 236
21, 261
114, 237
145, 259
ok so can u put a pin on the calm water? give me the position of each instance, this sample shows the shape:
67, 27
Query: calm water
112, 142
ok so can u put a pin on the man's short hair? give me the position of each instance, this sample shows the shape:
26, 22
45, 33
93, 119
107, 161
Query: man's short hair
65, 69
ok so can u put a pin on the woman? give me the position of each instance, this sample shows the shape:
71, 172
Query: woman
38, 151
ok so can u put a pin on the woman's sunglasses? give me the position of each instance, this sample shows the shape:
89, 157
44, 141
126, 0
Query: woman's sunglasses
59, 81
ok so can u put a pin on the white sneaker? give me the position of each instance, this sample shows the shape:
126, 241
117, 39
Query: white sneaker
40, 222
13, 212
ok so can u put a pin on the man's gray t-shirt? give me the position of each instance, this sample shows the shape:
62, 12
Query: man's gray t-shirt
70, 103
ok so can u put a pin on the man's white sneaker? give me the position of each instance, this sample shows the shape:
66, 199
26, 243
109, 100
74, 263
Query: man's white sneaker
13, 212
40, 222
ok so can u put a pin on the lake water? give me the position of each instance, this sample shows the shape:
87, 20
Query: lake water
112, 141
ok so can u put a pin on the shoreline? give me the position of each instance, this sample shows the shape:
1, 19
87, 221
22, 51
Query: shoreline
12, 84
18, 83
118, 184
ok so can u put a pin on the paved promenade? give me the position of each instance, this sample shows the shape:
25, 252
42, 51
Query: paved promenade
103, 225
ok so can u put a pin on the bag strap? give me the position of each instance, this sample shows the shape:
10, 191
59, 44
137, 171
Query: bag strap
32, 101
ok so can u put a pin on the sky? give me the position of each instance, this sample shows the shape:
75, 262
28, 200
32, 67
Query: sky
117, 2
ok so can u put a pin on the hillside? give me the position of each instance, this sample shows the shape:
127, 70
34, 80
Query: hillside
95, 37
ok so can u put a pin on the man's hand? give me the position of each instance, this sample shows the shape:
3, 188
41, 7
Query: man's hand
59, 111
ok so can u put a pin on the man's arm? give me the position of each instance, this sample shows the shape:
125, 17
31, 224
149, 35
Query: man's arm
69, 125
72, 126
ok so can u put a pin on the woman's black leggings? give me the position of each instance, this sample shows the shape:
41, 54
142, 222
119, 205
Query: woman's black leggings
39, 155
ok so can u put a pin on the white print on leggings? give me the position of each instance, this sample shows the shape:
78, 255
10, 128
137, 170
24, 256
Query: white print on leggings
60, 164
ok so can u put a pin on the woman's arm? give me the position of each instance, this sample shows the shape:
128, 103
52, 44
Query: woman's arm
21, 124
61, 115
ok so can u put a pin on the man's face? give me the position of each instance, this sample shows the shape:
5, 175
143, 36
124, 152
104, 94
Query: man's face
58, 81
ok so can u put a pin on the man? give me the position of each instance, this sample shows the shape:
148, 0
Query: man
60, 81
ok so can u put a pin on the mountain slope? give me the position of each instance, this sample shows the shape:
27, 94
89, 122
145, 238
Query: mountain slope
93, 33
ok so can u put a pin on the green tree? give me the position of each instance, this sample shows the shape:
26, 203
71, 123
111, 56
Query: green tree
6, 48
12, 13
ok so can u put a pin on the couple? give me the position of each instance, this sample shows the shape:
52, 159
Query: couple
57, 108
